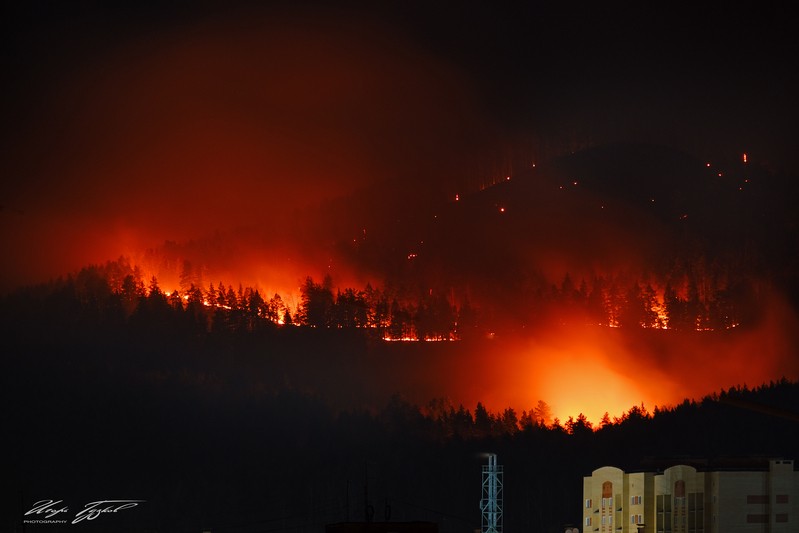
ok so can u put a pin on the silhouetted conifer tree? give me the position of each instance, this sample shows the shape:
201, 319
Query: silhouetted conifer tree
317, 302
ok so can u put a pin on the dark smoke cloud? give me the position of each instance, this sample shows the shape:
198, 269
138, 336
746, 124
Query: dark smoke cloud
223, 122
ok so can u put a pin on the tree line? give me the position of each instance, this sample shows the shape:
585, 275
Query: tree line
117, 291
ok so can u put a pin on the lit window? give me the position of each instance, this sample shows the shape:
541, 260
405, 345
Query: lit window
587, 520
588, 503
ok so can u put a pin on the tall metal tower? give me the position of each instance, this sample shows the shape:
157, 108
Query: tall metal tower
491, 502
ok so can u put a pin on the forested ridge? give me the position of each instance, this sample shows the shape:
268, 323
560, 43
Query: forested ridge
234, 430
117, 294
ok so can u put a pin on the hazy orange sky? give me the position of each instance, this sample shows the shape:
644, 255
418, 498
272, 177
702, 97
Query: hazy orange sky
218, 124
126, 128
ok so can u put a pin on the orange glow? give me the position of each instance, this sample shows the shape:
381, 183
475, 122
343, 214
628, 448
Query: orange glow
220, 153
414, 338
214, 130
572, 371
580, 381
267, 277
574, 368
594, 370
662, 317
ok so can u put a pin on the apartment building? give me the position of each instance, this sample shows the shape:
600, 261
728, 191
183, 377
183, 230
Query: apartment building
682, 499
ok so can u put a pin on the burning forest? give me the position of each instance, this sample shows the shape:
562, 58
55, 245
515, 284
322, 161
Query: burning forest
363, 237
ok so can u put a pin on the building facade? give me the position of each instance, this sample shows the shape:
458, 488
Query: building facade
682, 499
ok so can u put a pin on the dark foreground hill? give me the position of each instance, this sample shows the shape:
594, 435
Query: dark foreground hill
223, 433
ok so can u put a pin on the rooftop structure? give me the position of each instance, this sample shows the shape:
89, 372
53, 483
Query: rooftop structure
682, 499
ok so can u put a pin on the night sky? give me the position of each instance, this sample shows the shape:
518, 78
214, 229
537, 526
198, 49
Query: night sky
131, 123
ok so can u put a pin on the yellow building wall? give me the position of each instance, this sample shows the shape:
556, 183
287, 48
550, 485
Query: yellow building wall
682, 500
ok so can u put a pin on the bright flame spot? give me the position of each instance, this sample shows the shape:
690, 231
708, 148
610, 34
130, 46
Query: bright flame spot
591, 372
578, 381
414, 338
745, 159
662, 320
